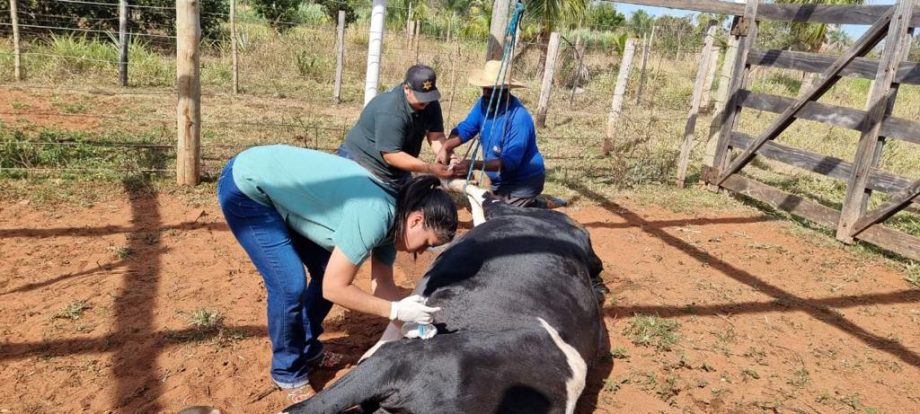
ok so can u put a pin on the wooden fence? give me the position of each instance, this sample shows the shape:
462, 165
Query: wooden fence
735, 150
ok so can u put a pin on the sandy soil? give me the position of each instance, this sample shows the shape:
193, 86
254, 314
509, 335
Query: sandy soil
768, 320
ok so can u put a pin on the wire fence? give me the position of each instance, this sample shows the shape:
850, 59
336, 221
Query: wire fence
287, 75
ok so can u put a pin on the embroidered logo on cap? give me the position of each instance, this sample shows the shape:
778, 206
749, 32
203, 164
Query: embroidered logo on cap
426, 85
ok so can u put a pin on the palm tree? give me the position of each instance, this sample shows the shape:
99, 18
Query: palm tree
551, 13
812, 37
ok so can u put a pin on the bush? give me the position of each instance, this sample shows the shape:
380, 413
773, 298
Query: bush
155, 19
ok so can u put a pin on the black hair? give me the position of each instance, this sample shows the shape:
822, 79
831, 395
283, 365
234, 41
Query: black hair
424, 193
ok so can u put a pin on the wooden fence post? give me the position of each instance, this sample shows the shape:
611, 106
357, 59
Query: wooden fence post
496, 46
409, 26
740, 69
579, 52
339, 58
725, 78
690, 127
374, 46
618, 92
552, 49
878, 103
123, 42
710, 78
17, 55
188, 85
646, 49
234, 56
416, 37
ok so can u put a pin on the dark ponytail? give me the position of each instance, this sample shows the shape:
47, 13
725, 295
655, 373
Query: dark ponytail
423, 193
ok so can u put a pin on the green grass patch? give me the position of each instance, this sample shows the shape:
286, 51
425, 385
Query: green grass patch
653, 331
72, 311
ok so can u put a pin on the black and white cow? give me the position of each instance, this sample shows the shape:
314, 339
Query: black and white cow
518, 327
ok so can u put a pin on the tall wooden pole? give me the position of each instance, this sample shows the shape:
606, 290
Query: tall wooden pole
548, 72
710, 78
619, 91
17, 56
234, 54
339, 57
188, 88
496, 44
374, 46
725, 78
123, 42
647, 47
690, 127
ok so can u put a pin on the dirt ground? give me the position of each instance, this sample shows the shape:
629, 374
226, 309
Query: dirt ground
97, 303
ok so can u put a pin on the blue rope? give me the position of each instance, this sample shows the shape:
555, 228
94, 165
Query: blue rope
510, 42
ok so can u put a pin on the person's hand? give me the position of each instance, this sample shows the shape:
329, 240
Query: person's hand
440, 170
444, 155
412, 309
460, 168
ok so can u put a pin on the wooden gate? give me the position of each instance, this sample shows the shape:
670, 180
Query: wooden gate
876, 125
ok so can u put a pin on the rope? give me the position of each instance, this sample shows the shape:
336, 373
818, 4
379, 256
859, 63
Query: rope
510, 41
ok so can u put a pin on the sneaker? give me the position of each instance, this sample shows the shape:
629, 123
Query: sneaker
296, 395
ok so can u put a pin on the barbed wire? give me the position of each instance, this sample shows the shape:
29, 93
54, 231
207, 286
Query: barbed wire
131, 6
89, 30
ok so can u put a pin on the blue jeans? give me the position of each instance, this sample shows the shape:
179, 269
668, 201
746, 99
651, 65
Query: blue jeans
295, 309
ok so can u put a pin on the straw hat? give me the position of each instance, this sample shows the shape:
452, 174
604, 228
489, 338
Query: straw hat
487, 77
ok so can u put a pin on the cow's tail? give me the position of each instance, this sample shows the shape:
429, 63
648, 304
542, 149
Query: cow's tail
363, 385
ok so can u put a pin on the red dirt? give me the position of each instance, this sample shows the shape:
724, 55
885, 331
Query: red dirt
768, 320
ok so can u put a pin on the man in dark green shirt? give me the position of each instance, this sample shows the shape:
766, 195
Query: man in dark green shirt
387, 138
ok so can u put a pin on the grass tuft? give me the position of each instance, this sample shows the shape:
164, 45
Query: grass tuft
72, 311
653, 331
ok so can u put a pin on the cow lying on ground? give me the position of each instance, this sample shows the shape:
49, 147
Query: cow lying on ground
518, 327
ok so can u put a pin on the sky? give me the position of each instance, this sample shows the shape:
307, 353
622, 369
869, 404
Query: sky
853, 31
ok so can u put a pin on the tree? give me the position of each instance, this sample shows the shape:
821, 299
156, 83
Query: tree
277, 12
811, 37
640, 22
604, 17
550, 13
155, 19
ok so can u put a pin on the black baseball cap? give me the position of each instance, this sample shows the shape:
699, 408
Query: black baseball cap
423, 82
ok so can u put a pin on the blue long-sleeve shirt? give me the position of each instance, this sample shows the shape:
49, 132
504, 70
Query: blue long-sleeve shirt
510, 136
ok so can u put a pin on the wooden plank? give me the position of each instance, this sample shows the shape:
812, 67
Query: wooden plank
740, 70
864, 15
892, 240
821, 164
883, 212
881, 236
690, 127
495, 47
854, 201
782, 200
828, 78
908, 72
841, 116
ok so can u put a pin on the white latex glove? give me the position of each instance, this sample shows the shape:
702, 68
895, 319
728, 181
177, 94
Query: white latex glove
412, 309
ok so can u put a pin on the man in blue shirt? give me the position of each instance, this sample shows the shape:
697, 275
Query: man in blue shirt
509, 140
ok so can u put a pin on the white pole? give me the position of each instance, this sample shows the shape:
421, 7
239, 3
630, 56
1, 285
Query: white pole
373, 50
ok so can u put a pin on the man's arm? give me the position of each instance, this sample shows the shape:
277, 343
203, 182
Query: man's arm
406, 162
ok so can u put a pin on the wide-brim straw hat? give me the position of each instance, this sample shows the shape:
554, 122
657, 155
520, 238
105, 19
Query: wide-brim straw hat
487, 77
